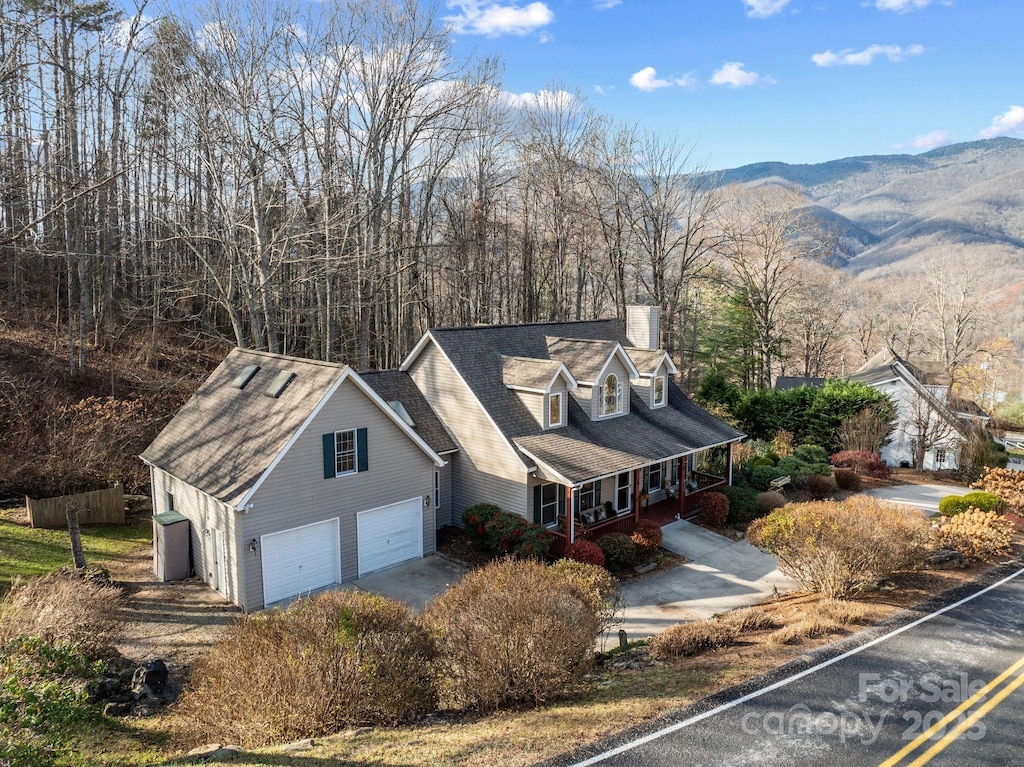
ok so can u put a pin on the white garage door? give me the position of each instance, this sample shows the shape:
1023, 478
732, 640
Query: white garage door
389, 535
300, 560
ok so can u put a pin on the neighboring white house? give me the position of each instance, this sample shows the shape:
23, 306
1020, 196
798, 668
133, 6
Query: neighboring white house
927, 415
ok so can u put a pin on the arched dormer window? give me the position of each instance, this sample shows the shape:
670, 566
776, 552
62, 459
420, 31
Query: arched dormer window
611, 396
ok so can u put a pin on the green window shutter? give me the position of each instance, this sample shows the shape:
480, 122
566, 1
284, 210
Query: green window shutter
536, 505
561, 500
362, 457
330, 467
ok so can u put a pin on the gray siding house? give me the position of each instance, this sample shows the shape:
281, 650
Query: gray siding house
297, 475
577, 426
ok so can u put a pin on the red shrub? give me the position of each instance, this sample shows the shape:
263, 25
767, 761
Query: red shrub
714, 508
585, 551
647, 536
862, 462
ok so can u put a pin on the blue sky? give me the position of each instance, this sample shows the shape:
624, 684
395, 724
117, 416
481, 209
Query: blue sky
752, 80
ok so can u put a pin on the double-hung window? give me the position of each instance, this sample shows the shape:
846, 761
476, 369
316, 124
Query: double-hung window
345, 452
588, 495
549, 504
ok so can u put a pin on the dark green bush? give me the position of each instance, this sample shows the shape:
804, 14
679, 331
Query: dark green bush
762, 476
952, 505
811, 453
761, 461
503, 534
619, 551
742, 504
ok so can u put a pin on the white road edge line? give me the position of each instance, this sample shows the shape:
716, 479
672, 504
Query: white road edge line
783, 682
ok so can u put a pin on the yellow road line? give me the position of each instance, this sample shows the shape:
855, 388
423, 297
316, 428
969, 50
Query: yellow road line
942, 723
953, 734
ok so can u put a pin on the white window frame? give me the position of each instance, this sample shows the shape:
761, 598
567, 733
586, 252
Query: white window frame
628, 487
340, 455
559, 397
655, 402
437, 489
553, 504
617, 394
588, 489
661, 477
940, 455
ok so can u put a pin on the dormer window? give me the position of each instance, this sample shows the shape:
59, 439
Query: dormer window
556, 409
658, 391
611, 396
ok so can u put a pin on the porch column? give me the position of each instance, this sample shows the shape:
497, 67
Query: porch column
637, 481
728, 464
570, 517
682, 485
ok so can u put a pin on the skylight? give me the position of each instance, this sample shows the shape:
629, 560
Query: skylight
280, 382
242, 379
399, 408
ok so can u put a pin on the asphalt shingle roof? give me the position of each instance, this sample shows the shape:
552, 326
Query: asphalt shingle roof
528, 373
394, 385
223, 439
582, 449
583, 356
646, 360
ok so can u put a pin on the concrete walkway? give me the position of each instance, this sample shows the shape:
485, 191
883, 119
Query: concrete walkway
923, 497
721, 575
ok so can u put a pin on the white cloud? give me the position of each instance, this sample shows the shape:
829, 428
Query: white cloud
867, 56
930, 140
493, 20
544, 99
734, 75
603, 5
760, 9
901, 6
1010, 121
647, 80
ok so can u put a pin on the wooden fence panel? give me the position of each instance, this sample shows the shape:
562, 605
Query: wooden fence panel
100, 507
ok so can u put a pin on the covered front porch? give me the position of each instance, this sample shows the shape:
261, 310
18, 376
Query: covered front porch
661, 491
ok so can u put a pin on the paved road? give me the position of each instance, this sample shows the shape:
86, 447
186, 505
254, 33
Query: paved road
873, 705
923, 497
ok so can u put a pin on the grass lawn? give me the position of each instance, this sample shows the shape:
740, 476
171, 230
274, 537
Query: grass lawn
29, 552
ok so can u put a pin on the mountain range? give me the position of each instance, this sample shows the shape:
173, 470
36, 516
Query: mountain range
894, 213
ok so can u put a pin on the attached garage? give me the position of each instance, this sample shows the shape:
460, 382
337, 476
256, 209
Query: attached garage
390, 535
300, 560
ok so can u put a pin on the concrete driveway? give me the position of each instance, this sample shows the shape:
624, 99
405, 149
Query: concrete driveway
415, 582
923, 497
721, 575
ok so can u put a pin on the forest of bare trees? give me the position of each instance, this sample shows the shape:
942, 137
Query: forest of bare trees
331, 183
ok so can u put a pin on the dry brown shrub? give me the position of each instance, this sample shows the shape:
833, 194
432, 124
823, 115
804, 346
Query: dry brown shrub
510, 633
803, 629
837, 548
980, 535
843, 611
340, 658
769, 501
595, 585
1007, 484
64, 608
686, 639
750, 619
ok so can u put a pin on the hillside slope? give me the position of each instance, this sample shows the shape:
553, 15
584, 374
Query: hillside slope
966, 198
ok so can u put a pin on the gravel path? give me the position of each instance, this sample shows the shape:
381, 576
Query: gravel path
177, 621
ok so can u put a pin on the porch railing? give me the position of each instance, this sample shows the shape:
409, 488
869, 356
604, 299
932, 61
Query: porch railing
621, 524
706, 481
